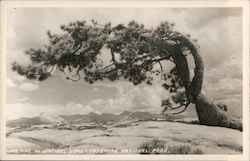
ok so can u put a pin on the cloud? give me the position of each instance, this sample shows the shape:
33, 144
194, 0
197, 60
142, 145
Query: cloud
10, 83
198, 18
114, 105
231, 69
29, 86
95, 89
75, 108
223, 83
227, 91
130, 97
20, 109
220, 41
19, 78
23, 99
27, 109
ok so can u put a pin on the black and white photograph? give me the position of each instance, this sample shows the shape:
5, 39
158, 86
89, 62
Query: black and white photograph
128, 81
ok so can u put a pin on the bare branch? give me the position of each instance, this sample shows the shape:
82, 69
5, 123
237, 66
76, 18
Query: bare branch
51, 69
76, 80
108, 66
186, 105
78, 48
159, 62
160, 59
113, 57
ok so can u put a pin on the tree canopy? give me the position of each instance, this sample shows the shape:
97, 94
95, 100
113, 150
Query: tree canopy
134, 51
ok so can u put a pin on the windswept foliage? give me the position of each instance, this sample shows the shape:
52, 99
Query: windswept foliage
134, 51
136, 54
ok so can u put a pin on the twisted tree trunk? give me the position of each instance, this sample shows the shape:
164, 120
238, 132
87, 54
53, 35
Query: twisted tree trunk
208, 113
211, 114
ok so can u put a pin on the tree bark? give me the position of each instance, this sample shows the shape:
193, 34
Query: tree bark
208, 113
211, 114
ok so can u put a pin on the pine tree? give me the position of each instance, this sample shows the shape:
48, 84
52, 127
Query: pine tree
134, 52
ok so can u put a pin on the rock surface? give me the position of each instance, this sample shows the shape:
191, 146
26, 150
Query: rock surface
206, 139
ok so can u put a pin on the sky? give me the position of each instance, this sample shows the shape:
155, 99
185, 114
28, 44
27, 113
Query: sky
219, 34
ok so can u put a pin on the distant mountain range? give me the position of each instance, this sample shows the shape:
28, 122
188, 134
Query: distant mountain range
91, 117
